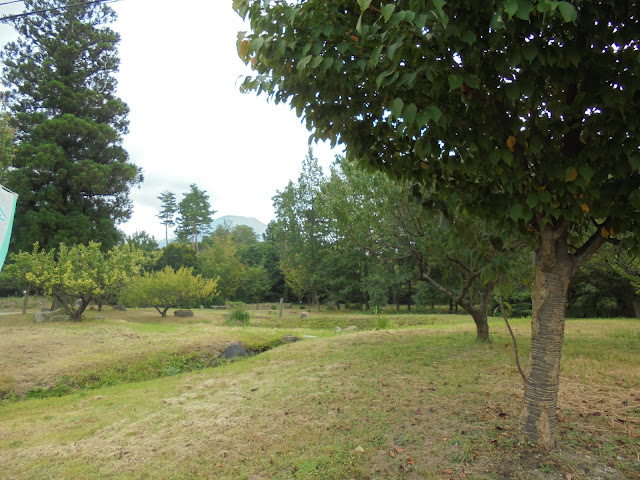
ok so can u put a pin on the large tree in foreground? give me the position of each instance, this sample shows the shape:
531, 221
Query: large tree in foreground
70, 169
525, 112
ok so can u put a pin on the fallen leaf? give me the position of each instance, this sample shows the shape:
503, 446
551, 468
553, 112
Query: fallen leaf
511, 142
410, 461
448, 471
392, 453
568, 476
400, 450
347, 428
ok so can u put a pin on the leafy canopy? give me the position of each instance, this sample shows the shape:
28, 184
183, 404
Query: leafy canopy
524, 111
168, 288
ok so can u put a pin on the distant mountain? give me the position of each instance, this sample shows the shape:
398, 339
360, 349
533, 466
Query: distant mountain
233, 221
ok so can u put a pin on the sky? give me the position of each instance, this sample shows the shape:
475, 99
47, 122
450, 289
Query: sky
180, 75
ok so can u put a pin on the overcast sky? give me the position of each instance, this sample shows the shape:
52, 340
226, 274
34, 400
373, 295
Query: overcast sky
189, 123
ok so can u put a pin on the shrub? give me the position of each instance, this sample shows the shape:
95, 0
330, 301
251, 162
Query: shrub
238, 316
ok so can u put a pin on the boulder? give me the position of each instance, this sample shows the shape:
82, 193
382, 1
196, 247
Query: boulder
234, 350
352, 328
119, 308
51, 316
289, 339
304, 315
338, 329
183, 313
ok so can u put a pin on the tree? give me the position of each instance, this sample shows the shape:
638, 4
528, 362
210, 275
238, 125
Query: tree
195, 215
219, 261
526, 113
70, 169
301, 227
168, 288
168, 212
7, 147
254, 284
78, 275
453, 252
176, 256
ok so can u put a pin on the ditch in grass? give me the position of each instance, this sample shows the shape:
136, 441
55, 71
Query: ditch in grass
135, 369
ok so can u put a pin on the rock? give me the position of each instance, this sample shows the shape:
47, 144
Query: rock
338, 329
234, 350
183, 313
119, 308
304, 315
352, 328
359, 449
45, 309
51, 316
289, 339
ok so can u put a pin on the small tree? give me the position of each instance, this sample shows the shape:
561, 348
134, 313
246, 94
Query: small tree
168, 288
77, 275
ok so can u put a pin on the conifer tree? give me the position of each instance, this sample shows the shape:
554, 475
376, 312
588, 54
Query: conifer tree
70, 169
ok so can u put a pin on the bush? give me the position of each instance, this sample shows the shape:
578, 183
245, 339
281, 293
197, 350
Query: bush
238, 316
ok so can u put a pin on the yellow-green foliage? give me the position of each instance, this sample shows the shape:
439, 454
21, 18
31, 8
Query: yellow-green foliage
168, 288
79, 271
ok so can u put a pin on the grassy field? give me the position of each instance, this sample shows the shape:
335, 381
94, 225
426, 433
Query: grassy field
131, 395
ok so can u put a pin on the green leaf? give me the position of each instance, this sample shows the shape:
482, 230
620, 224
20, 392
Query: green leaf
386, 11
435, 113
511, 7
455, 81
396, 107
469, 37
382, 76
516, 212
359, 24
303, 62
634, 161
375, 55
316, 61
568, 11
409, 113
529, 52
524, 9
364, 4
587, 172
512, 91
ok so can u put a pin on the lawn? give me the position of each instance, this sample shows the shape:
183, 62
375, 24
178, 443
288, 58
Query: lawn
406, 396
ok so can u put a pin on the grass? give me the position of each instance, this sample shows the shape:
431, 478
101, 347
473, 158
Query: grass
420, 399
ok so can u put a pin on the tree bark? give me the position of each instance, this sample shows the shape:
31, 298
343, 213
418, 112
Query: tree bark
554, 267
635, 301
482, 325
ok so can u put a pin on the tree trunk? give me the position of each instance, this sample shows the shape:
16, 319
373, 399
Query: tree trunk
636, 305
553, 272
482, 325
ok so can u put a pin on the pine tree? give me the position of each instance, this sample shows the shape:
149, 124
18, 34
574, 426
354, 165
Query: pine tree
195, 215
168, 212
70, 169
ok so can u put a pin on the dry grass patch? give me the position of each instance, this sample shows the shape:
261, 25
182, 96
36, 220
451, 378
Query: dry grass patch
408, 404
